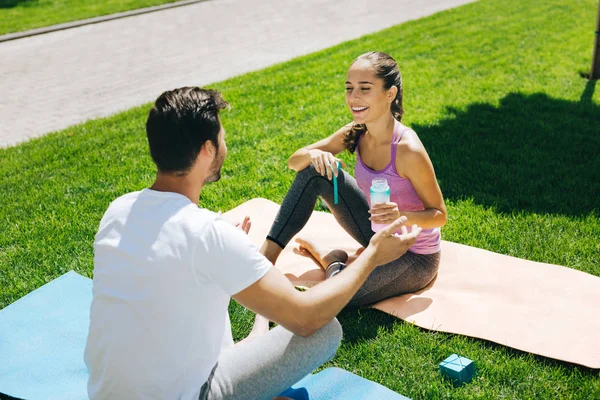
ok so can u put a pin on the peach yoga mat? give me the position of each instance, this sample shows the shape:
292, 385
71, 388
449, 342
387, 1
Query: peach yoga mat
544, 309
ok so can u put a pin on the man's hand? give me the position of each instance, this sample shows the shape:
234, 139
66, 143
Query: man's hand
274, 297
386, 246
245, 224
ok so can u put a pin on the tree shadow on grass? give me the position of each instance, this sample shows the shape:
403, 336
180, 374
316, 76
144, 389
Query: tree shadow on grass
531, 153
362, 324
14, 3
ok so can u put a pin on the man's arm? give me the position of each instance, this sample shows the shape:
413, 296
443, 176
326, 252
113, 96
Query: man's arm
303, 313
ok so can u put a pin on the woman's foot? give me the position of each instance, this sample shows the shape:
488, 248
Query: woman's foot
354, 256
320, 254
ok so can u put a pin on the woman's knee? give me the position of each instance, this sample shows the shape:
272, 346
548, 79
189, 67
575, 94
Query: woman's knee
308, 172
310, 178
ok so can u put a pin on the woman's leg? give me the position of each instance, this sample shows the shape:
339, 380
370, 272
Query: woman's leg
409, 273
266, 366
351, 212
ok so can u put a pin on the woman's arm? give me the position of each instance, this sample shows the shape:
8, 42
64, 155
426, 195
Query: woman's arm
321, 154
413, 162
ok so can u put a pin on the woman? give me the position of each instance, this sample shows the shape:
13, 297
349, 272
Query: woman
384, 148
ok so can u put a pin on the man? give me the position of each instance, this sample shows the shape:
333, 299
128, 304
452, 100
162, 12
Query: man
165, 269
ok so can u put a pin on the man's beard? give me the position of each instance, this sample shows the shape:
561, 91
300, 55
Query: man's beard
215, 170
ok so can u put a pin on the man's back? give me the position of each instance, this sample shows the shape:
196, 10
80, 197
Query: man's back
162, 283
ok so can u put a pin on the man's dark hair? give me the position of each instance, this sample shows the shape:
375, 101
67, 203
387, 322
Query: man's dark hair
179, 124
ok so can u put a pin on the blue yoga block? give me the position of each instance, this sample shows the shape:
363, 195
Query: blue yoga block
336, 383
459, 369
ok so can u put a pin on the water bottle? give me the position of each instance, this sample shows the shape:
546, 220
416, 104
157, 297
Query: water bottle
380, 193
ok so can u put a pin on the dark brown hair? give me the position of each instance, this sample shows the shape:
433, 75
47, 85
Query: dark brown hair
386, 69
179, 124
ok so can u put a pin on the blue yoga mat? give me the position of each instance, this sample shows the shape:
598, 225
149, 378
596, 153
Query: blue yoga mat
336, 383
43, 335
42, 338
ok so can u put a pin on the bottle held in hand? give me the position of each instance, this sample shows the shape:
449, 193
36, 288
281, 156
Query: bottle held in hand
380, 193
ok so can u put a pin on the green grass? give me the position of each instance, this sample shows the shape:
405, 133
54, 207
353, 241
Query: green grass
21, 15
492, 88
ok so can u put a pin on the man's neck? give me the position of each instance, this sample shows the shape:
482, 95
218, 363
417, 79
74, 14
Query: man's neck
185, 185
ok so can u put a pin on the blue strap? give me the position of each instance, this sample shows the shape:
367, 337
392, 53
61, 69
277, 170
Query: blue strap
335, 184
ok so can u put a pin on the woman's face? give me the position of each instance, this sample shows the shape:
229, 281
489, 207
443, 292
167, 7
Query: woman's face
366, 97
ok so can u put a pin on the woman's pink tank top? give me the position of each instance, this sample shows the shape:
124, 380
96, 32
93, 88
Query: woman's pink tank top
402, 192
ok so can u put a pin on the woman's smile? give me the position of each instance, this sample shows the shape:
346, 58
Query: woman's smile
358, 110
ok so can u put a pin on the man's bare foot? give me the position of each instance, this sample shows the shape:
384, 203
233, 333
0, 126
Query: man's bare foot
320, 254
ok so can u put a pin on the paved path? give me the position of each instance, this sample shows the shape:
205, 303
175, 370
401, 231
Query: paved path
55, 80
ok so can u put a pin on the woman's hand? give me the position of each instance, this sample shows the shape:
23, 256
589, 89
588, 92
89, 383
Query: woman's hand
384, 213
323, 162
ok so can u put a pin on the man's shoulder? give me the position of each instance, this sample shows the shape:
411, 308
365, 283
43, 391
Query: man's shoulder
219, 235
197, 220
214, 224
120, 204
164, 208
131, 196
123, 201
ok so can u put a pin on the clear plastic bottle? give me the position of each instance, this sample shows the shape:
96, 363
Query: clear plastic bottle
380, 193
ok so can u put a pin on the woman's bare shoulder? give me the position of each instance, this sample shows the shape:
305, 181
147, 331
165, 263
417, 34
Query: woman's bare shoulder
409, 143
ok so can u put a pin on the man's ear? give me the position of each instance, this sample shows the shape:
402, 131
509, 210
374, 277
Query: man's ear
209, 148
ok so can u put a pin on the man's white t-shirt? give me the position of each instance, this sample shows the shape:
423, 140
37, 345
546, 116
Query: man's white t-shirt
164, 271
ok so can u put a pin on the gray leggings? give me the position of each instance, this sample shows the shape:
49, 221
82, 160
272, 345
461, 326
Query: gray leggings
269, 364
407, 274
